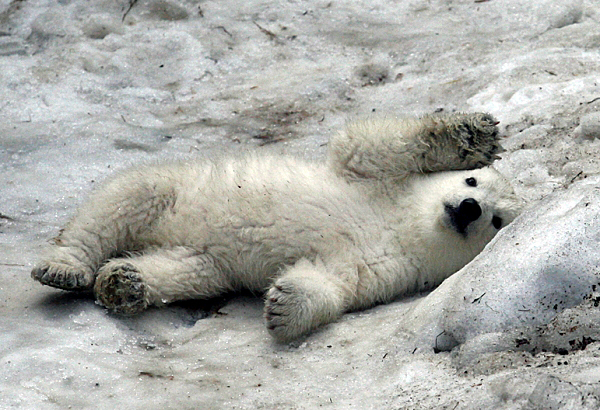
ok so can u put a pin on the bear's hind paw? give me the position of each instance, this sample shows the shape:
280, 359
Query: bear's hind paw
63, 276
120, 288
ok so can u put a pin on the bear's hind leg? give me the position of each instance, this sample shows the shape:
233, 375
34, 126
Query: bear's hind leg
157, 277
303, 298
109, 224
64, 270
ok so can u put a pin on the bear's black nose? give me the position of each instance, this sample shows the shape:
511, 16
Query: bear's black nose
469, 210
461, 216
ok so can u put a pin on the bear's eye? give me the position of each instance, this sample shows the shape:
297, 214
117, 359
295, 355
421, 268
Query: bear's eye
471, 181
497, 222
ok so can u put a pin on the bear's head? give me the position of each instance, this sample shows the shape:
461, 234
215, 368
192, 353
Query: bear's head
457, 213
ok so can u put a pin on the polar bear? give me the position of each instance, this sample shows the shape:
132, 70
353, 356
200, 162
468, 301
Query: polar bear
400, 205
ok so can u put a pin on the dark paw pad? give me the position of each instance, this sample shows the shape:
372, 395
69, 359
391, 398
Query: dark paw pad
120, 288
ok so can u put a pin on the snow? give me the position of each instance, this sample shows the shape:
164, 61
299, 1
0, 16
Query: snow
89, 88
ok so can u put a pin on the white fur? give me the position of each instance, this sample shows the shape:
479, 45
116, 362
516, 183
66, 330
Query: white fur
322, 238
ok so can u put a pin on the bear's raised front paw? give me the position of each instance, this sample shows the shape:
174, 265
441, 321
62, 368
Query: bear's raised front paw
120, 288
285, 311
63, 276
478, 138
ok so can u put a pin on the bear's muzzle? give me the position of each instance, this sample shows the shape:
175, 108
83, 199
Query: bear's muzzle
460, 217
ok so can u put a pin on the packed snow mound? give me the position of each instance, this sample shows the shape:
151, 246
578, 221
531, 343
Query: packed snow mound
546, 261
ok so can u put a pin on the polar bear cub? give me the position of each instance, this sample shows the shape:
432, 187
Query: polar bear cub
401, 204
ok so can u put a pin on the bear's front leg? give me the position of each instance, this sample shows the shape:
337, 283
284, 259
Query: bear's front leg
384, 148
303, 298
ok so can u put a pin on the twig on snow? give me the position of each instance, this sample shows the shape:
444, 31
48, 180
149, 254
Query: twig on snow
131, 4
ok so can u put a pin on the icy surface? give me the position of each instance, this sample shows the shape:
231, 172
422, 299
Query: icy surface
89, 88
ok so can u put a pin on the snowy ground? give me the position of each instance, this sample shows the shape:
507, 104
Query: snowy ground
90, 87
